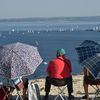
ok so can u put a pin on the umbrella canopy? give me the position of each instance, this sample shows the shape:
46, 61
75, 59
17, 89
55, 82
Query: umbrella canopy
93, 65
87, 49
89, 56
89, 43
18, 59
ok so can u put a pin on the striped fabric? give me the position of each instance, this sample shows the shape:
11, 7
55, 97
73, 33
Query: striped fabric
93, 65
89, 43
86, 52
87, 49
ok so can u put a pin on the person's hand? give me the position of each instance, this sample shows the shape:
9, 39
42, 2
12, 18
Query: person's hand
20, 85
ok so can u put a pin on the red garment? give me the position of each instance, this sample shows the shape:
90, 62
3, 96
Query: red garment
59, 68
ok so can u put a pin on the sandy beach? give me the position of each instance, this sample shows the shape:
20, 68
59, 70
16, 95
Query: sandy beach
77, 86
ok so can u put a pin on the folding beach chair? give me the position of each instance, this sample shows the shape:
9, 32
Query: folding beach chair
18, 88
96, 85
60, 91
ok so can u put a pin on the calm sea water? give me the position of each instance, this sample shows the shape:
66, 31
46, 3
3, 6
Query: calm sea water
48, 40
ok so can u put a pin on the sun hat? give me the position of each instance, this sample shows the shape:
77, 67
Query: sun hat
61, 52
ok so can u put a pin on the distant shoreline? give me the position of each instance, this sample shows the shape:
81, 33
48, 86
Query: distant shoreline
46, 18
36, 31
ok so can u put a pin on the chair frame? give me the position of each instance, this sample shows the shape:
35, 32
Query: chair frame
97, 91
6, 92
18, 94
60, 92
95, 84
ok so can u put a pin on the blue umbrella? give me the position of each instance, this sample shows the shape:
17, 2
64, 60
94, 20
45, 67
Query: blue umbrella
87, 49
89, 56
86, 43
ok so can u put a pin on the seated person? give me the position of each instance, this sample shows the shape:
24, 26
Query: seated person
21, 83
59, 72
87, 79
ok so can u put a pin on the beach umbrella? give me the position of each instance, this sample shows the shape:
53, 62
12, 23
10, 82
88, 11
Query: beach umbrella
93, 65
89, 57
86, 43
87, 49
18, 59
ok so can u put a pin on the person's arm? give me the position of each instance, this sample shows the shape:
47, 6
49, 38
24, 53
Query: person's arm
69, 64
49, 68
19, 83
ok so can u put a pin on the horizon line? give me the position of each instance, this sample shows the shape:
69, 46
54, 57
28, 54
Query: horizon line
45, 17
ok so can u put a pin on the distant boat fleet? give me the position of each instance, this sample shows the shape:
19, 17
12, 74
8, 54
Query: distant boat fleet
95, 28
68, 29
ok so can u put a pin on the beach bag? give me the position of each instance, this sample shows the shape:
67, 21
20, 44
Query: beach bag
33, 91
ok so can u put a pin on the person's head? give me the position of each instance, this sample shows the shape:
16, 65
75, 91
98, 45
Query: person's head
60, 52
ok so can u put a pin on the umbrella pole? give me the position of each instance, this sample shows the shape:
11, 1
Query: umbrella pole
18, 95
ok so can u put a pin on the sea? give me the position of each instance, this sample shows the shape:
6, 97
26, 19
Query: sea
51, 34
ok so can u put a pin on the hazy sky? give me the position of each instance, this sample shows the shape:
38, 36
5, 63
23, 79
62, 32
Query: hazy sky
48, 8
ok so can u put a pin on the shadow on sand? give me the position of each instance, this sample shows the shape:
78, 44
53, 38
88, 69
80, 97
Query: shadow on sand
51, 97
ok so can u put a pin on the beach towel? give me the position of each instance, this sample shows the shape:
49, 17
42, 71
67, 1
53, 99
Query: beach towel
33, 91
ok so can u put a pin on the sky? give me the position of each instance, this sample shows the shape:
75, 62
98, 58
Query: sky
48, 8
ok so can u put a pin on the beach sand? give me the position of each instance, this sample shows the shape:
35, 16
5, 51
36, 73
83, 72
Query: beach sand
77, 87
